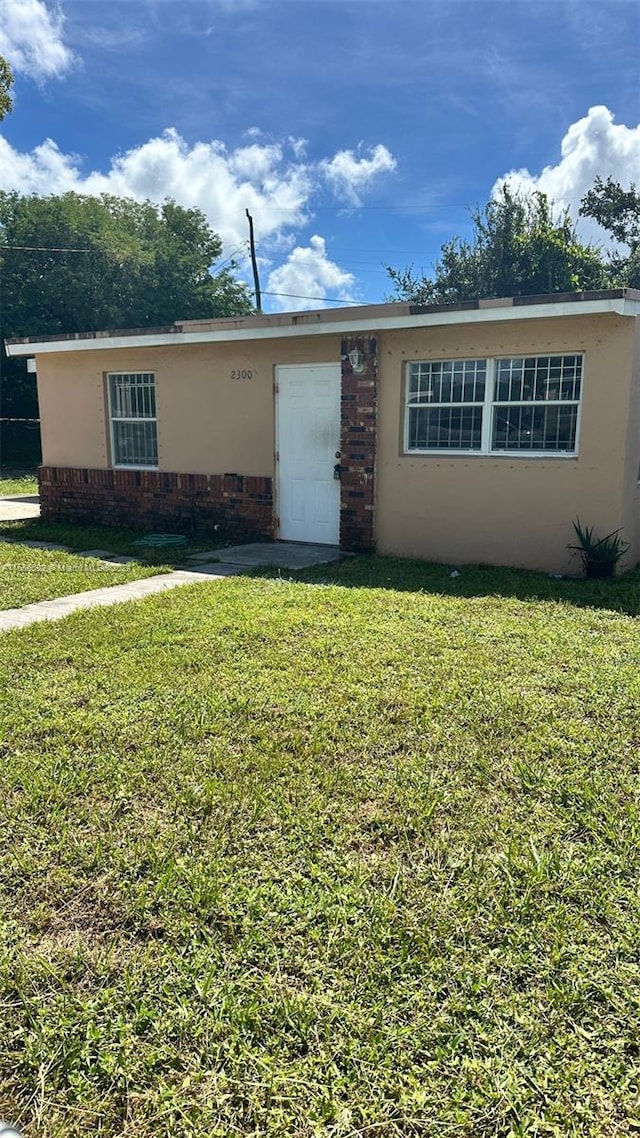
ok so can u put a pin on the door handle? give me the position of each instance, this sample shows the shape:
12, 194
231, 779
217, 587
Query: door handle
337, 471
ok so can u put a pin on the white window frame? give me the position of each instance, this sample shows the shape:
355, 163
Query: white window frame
113, 419
488, 406
457, 405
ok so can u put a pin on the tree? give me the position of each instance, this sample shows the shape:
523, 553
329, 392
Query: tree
518, 249
6, 83
617, 211
75, 263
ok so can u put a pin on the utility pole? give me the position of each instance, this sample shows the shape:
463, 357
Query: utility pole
254, 263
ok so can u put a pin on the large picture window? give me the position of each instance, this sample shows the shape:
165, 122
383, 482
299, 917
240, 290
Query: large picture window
524, 404
132, 407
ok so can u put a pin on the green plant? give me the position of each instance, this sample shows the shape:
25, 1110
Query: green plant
599, 555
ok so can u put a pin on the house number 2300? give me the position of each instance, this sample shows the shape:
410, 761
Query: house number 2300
244, 373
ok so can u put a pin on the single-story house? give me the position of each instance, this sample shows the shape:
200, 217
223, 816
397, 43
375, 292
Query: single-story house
471, 432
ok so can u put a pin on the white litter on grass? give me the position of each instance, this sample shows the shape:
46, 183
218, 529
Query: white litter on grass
455, 573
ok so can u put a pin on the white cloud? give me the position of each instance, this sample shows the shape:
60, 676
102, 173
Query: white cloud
222, 183
308, 272
272, 180
45, 170
594, 145
299, 146
349, 174
31, 38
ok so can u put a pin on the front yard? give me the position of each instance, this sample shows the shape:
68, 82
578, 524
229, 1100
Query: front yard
28, 575
18, 484
292, 860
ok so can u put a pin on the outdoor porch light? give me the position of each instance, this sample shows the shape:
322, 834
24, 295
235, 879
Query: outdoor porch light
356, 359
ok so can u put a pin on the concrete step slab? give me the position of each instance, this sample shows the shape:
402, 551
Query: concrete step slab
281, 554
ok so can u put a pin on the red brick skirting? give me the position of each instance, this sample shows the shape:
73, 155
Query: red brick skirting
358, 445
241, 506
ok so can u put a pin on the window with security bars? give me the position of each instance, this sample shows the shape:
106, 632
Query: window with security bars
445, 405
521, 404
132, 405
536, 403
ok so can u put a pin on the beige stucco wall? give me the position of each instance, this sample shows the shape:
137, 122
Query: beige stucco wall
457, 509
506, 510
631, 501
208, 422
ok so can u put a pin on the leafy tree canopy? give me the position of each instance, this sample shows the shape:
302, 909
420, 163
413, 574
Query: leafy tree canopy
6, 83
518, 248
137, 265
617, 211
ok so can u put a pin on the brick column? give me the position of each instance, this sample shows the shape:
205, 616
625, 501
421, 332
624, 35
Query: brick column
358, 445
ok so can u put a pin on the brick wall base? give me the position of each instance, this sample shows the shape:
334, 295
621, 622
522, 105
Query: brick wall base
358, 445
236, 506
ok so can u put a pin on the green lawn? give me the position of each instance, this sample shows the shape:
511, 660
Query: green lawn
116, 540
19, 484
291, 861
28, 575
620, 594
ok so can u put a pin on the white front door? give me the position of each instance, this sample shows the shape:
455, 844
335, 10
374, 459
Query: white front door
308, 446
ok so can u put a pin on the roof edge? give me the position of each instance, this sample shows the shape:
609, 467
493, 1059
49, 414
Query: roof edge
621, 301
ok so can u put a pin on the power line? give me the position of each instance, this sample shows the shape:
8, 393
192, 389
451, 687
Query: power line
243, 249
326, 299
42, 249
385, 252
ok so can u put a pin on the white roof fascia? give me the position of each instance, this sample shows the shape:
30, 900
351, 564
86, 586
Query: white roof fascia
494, 314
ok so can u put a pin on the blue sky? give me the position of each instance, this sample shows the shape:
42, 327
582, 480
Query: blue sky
356, 131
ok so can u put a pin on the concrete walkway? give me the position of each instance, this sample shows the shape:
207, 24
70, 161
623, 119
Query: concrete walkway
236, 559
19, 507
60, 607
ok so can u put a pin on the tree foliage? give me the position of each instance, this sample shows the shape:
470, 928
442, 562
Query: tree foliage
518, 248
132, 265
618, 211
6, 83
75, 263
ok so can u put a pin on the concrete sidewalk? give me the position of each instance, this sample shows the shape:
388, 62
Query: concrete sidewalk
288, 555
60, 607
19, 507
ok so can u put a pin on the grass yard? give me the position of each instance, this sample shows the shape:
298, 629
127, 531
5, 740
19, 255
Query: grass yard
116, 540
18, 484
288, 860
29, 575
619, 594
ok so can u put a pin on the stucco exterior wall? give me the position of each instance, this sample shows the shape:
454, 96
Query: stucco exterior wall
508, 510
504, 509
631, 502
208, 421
